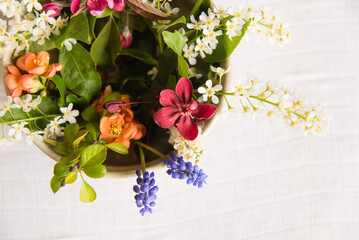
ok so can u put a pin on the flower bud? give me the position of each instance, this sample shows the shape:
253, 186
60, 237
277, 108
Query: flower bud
126, 37
30, 83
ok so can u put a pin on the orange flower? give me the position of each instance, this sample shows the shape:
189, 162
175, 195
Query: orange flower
114, 128
12, 81
99, 102
30, 84
38, 64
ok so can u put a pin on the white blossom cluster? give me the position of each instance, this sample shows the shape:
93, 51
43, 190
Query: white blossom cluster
228, 22
208, 91
266, 97
189, 150
24, 23
53, 130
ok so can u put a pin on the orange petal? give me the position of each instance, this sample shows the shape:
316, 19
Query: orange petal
29, 61
13, 70
27, 82
17, 92
43, 57
129, 130
51, 71
123, 140
128, 114
141, 131
108, 91
104, 125
12, 82
38, 70
58, 66
108, 138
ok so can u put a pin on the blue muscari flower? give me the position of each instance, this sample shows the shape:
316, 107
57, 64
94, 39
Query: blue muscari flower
145, 191
180, 169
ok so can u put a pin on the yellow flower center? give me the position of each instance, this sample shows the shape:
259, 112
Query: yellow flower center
115, 130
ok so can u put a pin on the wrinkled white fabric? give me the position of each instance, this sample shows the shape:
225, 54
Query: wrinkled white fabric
265, 182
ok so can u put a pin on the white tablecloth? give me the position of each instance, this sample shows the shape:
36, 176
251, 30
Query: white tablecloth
264, 182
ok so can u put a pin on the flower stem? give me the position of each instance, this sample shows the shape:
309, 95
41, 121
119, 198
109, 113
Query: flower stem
30, 119
142, 157
149, 148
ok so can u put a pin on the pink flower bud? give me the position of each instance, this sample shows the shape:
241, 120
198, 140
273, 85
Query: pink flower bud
54, 6
126, 37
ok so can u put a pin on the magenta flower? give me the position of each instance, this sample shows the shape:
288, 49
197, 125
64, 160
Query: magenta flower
55, 6
96, 7
180, 110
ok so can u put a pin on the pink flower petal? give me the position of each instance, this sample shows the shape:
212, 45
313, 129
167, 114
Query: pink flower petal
184, 90
117, 5
169, 98
187, 128
166, 117
96, 7
204, 111
75, 4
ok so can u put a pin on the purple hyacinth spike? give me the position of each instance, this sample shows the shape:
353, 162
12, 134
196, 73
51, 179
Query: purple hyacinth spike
178, 168
145, 191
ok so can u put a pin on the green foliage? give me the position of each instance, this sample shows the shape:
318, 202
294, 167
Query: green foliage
62, 148
78, 29
225, 47
55, 183
107, 45
113, 96
181, 20
37, 119
79, 72
117, 147
79, 102
176, 42
92, 156
90, 114
60, 170
61, 86
79, 137
94, 131
87, 194
71, 177
96, 172
70, 132
141, 55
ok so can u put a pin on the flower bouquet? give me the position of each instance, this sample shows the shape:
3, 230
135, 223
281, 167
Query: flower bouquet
108, 86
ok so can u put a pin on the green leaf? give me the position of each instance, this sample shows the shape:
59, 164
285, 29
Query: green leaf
117, 147
55, 183
175, 41
79, 137
37, 120
70, 132
70, 159
87, 194
78, 28
79, 72
178, 20
92, 156
141, 55
71, 177
79, 103
225, 47
62, 148
107, 45
61, 86
51, 142
113, 96
107, 12
96, 172
94, 131
183, 68
60, 170
90, 114
48, 45
195, 9
91, 21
